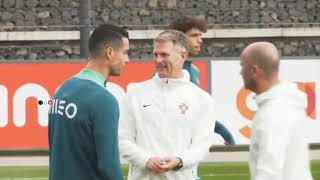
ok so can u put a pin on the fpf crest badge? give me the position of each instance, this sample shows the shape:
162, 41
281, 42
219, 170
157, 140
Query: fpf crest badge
183, 108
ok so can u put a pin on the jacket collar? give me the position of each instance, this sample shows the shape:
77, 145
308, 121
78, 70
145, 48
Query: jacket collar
93, 76
185, 78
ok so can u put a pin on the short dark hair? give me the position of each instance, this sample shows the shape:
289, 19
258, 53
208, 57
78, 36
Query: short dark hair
185, 23
106, 35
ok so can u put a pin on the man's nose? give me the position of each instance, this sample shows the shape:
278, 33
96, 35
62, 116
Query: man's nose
126, 60
158, 59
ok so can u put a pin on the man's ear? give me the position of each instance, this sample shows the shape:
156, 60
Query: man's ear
255, 70
108, 52
184, 55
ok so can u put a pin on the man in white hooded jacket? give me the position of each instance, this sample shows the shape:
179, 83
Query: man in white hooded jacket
166, 122
278, 150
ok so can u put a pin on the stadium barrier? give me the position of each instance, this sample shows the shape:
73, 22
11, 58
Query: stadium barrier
213, 148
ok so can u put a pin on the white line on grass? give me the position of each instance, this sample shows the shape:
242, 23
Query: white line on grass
239, 174
215, 175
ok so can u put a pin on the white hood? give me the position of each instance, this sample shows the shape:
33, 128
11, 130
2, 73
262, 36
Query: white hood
284, 91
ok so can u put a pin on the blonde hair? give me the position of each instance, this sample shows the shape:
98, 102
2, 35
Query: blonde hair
178, 38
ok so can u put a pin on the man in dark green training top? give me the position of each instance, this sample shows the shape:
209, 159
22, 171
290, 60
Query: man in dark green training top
83, 118
193, 27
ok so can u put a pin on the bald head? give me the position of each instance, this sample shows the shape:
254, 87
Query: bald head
263, 54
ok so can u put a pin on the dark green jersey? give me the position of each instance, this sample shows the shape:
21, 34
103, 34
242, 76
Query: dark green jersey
193, 72
83, 131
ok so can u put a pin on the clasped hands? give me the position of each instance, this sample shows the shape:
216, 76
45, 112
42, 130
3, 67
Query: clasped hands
159, 165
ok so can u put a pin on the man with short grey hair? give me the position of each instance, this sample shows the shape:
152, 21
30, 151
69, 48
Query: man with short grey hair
165, 122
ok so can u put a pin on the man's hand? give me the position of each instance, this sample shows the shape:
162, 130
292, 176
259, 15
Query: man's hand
156, 165
171, 163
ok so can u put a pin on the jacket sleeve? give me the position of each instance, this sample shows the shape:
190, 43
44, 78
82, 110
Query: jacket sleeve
105, 128
127, 135
194, 75
224, 133
202, 136
272, 138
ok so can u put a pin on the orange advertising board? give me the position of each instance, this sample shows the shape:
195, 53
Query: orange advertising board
23, 122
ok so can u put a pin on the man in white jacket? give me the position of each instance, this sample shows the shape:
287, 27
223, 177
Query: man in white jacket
166, 122
278, 150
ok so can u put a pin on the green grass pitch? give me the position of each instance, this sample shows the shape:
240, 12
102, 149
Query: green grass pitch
208, 171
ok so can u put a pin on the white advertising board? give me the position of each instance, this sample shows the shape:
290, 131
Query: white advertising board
236, 107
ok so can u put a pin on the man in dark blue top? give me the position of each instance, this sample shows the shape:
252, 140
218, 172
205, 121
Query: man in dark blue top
83, 119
